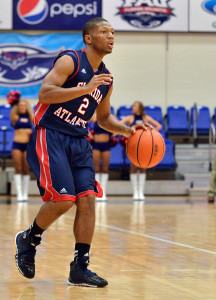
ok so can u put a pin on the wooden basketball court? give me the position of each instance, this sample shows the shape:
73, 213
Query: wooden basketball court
164, 248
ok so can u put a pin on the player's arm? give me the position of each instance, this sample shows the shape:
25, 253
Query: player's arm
153, 122
108, 121
51, 90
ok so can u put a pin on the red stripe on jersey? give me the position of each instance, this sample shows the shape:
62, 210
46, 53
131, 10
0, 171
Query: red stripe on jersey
78, 61
111, 81
102, 69
39, 112
77, 67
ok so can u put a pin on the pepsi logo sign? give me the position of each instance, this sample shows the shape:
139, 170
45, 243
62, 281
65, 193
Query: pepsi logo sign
32, 11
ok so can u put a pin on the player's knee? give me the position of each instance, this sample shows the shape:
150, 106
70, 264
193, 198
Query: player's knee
63, 206
86, 204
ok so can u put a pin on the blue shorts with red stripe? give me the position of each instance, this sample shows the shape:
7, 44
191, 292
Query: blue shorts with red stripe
63, 165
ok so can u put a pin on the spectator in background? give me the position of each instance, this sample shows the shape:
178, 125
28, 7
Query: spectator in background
102, 140
22, 119
138, 175
212, 183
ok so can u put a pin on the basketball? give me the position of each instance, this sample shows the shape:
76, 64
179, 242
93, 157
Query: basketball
145, 148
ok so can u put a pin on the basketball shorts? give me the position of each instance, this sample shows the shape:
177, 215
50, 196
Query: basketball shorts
101, 146
20, 146
63, 165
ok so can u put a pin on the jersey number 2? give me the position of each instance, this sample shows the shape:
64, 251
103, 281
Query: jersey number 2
83, 106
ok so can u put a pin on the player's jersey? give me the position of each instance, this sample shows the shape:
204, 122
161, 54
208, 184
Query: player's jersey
71, 117
137, 120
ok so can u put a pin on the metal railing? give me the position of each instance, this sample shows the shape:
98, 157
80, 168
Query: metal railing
195, 119
211, 143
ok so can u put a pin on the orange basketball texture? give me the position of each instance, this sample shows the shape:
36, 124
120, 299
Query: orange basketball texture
145, 148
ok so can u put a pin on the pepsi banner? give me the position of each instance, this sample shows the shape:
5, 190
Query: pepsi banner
26, 59
203, 15
146, 15
54, 15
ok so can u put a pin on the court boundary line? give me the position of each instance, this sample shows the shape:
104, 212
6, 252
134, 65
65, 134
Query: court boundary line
151, 237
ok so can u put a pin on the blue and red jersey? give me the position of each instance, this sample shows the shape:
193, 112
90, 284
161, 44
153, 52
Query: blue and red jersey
71, 117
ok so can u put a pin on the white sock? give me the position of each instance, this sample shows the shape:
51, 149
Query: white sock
97, 177
134, 181
104, 180
26, 179
18, 184
141, 185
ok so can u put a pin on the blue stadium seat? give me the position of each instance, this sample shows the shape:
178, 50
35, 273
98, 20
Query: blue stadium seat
177, 120
5, 110
7, 137
168, 161
123, 111
117, 157
156, 113
5, 122
204, 120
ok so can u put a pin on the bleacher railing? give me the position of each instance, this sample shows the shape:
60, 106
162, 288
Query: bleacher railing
211, 143
195, 119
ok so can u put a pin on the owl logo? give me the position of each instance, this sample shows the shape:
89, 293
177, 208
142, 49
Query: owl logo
23, 65
13, 61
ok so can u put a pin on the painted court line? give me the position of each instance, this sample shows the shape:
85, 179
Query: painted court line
151, 237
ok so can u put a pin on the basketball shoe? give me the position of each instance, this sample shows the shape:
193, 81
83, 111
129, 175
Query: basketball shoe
80, 275
25, 253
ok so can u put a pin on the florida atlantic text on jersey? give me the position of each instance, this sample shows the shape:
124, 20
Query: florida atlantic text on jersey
71, 117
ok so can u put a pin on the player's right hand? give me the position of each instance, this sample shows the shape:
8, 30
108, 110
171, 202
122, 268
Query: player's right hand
97, 80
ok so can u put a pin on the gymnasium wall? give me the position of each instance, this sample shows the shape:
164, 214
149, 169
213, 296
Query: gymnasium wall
164, 69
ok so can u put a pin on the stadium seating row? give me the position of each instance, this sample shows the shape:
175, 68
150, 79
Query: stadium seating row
177, 120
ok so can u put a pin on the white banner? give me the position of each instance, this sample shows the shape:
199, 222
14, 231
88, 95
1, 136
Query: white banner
146, 15
202, 15
5, 14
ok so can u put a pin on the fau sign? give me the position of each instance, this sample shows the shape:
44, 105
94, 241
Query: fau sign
23, 65
146, 13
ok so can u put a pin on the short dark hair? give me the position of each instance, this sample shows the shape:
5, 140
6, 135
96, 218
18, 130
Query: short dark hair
89, 25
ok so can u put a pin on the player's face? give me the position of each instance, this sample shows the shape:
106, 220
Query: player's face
136, 108
22, 107
102, 37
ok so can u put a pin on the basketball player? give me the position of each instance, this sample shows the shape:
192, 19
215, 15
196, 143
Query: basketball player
59, 154
138, 175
